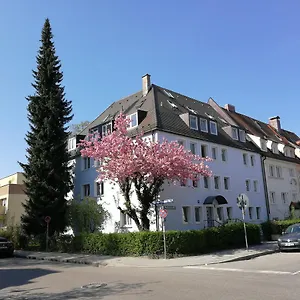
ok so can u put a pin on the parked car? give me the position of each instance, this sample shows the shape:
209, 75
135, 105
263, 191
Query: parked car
6, 247
290, 239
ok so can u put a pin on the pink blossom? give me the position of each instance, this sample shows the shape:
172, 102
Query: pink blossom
124, 158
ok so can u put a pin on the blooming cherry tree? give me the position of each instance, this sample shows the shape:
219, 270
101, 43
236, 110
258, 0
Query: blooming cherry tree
143, 165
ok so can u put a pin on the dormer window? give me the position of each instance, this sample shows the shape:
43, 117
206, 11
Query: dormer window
72, 144
263, 145
242, 135
274, 148
203, 125
235, 134
193, 122
133, 120
213, 127
106, 129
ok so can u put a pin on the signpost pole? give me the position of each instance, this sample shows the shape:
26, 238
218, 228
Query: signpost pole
245, 229
164, 235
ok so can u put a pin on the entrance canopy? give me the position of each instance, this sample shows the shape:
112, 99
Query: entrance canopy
220, 199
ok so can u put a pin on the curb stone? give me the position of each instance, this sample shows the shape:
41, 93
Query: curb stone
53, 259
103, 264
245, 257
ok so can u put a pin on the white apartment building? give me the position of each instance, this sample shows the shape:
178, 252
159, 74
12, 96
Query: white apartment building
280, 153
237, 165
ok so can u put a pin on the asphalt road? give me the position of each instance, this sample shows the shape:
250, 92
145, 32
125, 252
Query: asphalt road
273, 277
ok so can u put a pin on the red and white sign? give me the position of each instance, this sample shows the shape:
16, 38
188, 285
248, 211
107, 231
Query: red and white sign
47, 219
163, 213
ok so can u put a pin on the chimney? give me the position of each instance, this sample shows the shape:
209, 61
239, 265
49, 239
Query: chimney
146, 84
229, 107
275, 123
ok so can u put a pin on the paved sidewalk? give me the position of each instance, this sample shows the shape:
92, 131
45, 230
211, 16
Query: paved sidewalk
145, 262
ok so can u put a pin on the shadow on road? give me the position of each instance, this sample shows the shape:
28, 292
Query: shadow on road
96, 291
18, 277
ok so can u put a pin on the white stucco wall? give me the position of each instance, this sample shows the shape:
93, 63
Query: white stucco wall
233, 168
283, 184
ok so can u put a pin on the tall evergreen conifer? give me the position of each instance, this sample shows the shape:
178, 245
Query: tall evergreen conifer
47, 172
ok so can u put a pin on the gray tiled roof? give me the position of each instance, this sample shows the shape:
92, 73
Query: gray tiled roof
264, 130
161, 115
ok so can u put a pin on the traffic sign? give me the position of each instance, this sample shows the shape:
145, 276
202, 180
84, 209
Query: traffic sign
163, 213
47, 219
242, 201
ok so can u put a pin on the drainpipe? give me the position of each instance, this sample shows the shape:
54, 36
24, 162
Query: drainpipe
263, 158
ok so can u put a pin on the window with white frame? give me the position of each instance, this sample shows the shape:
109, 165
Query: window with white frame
125, 220
242, 135
217, 182
86, 190
198, 213
185, 214
252, 160
133, 120
204, 151
245, 159
213, 127
193, 148
247, 182
99, 188
229, 212
72, 144
278, 172
235, 134
214, 152
224, 154
106, 129
86, 163
274, 148
226, 183
195, 182
203, 125
263, 145
206, 182
255, 185
271, 171
193, 122
257, 213
284, 197
250, 213
272, 197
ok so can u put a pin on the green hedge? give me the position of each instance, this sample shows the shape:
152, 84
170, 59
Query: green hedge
178, 242
276, 227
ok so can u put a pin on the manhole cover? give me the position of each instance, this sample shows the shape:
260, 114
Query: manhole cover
95, 285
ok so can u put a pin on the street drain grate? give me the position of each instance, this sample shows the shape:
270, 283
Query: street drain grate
95, 285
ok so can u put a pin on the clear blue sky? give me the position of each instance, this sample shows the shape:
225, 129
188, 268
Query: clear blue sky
246, 53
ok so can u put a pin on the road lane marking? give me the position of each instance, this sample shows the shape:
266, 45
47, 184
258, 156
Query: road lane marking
241, 270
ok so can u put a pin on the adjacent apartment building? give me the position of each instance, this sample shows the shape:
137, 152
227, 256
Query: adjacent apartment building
240, 160
11, 198
280, 155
